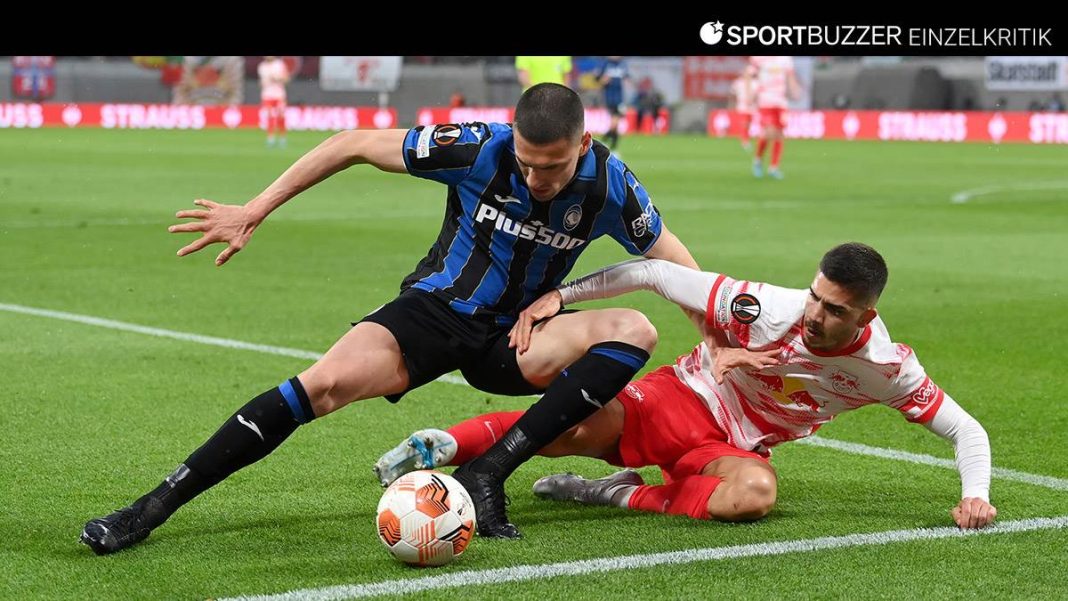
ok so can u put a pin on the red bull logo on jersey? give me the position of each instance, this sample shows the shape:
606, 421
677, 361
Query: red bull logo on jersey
534, 230
804, 399
772, 382
843, 382
787, 390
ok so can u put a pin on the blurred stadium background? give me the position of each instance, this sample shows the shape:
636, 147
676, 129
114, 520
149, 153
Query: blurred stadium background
928, 98
955, 168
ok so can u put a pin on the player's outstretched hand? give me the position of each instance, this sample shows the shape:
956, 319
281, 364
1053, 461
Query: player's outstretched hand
232, 224
729, 358
548, 305
973, 512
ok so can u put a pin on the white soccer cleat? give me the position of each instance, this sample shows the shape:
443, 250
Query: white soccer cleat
423, 450
610, 490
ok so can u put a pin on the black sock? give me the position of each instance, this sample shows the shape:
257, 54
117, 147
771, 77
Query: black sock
579, 391
613, 139
248, 436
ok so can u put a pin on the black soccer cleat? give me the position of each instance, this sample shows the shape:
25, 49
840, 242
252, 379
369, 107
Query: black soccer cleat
124, 527
487, 493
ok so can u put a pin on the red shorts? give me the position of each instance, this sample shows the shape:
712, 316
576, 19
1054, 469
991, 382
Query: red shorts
276, 104
773, 116
668, 425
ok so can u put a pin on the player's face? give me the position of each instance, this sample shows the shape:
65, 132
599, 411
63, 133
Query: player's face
547, 168
833, 316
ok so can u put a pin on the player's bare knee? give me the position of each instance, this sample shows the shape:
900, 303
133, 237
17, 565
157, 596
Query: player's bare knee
633, 328
749, 494
324, 390
756, 491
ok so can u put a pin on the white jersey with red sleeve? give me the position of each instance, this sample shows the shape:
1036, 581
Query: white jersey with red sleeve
273, 75
772, 74
758, 409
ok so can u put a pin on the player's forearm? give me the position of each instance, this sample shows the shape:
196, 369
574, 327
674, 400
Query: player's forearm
970, 444
685, 287
669, 248
381, 148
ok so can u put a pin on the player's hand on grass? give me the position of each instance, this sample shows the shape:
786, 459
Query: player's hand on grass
973, 512
548, 305
232, 224
727, 359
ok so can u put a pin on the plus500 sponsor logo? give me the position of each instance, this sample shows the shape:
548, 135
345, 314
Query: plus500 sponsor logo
525, 231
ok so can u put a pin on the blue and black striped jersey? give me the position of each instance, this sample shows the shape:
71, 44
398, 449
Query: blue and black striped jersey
499, 249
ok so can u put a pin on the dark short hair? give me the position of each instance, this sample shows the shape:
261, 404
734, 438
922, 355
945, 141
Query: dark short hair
856, 267
549, 112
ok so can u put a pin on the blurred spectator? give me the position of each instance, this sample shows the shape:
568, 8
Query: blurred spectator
612, 76
533, 70
210, 80
647, 101
457, 99
33, 77
1056, 103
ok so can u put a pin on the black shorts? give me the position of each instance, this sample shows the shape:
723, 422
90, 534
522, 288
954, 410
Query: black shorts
436, 340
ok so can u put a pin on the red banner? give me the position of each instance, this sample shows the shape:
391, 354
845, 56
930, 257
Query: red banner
598, 120
971, 126
173, 116
710, 77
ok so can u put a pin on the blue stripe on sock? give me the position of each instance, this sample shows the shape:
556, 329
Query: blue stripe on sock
294, 403
628, 359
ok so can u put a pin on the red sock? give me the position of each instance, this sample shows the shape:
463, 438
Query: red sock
762, 145
476, 435
776, 153
281, 122
688, 496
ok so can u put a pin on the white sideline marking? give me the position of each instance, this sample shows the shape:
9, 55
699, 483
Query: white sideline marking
468, 578
997, 472
849, 447
186, 336
965, 195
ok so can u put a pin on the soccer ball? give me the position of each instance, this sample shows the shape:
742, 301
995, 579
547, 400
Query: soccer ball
425, 518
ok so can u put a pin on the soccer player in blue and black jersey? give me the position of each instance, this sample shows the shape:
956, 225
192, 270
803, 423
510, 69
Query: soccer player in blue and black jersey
523, 202
612, 76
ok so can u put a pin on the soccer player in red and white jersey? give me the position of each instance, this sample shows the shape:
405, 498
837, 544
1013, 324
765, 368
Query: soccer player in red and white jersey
775, 82
742, 100
777, 364
273, 78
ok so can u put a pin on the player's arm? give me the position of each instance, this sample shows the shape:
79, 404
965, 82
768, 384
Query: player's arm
685, 286
688, 290
235, 224
972, 449
669, 248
